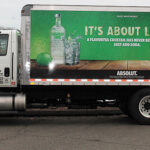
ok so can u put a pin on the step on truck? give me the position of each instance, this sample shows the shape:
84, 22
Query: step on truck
78, 57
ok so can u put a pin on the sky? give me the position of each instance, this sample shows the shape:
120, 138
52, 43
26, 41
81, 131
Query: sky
10, 9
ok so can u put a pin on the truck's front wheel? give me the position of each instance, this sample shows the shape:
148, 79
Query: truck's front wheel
139, 106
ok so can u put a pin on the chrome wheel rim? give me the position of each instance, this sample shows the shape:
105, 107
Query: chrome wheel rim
144, 106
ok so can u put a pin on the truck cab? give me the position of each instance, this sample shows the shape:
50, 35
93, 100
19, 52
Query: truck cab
9, 48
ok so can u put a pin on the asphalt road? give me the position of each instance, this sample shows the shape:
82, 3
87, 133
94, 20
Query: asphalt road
73, 133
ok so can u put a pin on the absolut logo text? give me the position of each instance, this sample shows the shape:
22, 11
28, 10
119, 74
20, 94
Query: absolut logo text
127, 73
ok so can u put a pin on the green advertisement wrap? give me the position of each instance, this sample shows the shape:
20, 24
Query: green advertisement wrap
103, 35
90, 44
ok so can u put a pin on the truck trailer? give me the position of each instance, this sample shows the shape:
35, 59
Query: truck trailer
77, 57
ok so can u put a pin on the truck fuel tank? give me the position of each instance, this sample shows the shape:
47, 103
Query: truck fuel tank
13, 103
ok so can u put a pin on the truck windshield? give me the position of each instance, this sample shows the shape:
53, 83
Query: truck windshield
3, 44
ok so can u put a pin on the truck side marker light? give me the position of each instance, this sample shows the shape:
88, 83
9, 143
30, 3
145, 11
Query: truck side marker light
55, 80
146, 80
78, 80
13, 83
90, 80
135, 81
112, 80
32, 80
66, 80
44, 80
124, 80
101, 80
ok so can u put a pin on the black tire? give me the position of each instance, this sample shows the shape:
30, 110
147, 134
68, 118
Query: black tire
134, 109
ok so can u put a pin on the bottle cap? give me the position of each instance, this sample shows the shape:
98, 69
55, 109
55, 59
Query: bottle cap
57, 15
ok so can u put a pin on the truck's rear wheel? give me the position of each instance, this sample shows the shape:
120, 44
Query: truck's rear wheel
139, 106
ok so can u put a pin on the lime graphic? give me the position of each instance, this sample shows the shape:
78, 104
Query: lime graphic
43, 59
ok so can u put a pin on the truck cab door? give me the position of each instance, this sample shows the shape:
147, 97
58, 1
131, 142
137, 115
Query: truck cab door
6, 56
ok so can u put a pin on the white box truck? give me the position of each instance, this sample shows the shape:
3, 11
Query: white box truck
77, 56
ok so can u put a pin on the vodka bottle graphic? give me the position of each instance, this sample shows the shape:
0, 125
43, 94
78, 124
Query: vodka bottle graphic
57, 42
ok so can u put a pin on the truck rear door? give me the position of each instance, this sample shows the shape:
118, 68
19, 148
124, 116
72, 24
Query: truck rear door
6, 57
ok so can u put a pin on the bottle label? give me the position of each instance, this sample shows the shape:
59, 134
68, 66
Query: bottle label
58, 35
